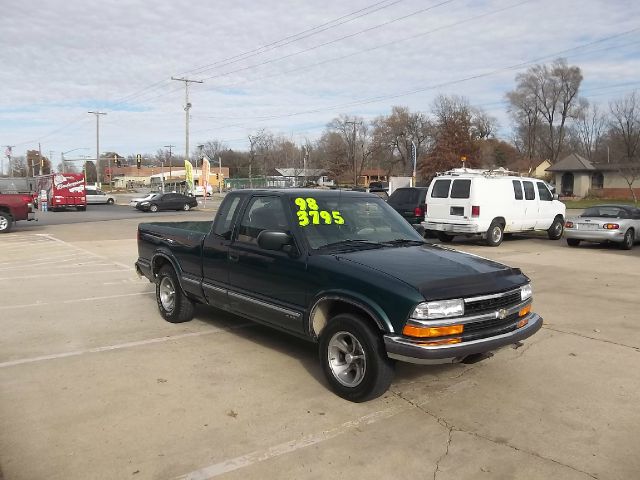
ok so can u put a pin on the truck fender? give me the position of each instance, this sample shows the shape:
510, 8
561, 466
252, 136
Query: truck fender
317, 317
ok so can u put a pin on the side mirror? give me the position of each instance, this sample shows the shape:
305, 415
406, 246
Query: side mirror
273, 240
555, 196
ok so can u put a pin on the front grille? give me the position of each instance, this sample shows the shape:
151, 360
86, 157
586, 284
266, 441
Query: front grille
492, 304
490, 328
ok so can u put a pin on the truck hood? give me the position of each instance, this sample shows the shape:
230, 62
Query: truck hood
439, 273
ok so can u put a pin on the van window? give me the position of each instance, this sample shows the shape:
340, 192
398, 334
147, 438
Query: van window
543, 192
440, 189
529, 191
460, 189
517, 189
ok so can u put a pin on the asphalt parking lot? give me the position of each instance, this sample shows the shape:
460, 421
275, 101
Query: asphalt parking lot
94, 384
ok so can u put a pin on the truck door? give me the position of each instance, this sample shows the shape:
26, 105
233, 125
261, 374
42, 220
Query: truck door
266, 285
215, 251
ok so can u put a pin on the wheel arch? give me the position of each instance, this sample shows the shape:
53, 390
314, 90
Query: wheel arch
329, 305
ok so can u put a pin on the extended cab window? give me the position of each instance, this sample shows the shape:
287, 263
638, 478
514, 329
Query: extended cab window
517, 189
543, 192
529, 191
223, 222
262, 213
461, 189
440, 189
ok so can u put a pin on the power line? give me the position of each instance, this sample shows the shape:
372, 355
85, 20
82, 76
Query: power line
296, 37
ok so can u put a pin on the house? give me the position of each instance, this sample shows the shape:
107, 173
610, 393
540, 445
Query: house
575, 176
533, 168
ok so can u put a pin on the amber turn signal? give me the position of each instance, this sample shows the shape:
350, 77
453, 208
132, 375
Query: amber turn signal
422, 332
523, 322
524, 311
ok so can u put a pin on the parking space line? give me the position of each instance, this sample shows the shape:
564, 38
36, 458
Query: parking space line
70, 245
243, 461
66, 274
76, 300
120, 346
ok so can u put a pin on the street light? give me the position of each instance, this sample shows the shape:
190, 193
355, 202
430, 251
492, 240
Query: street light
62, 154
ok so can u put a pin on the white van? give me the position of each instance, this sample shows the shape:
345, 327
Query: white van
491, 203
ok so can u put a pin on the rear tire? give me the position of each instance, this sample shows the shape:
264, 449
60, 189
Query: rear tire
6, 222
556, 229
629, 240
495, 234
110, 201
186, 207
573, 242
354, 359
444, 237
174, 305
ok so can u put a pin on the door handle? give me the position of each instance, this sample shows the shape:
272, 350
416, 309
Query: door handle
234, 257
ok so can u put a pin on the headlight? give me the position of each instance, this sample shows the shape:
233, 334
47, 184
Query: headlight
439, 309
526, 292
144, 203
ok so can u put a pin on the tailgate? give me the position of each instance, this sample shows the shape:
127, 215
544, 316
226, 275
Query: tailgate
448, 200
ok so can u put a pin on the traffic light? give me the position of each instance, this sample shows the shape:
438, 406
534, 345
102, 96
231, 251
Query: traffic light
116, 159
139, 161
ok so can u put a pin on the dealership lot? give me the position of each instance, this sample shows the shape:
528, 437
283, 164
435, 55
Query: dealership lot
94, 384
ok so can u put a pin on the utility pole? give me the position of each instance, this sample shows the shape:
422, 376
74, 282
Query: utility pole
8, 153
219, 174
97, 114
187, 107
170, 160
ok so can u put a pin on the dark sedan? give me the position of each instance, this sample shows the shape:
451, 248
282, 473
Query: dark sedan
167, 201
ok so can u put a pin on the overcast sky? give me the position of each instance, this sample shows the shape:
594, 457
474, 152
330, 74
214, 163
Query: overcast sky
62, 58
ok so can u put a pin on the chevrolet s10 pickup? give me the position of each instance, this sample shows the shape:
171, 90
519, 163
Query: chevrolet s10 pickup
344, 270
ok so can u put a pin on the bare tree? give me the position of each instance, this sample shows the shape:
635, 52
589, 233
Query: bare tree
625, 126
213, 149
483, 125
260, 144
548, 92
589, 129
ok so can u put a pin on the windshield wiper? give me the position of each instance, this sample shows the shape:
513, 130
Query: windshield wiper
353, 243
403, 241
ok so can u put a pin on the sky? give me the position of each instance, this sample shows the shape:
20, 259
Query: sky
283, 65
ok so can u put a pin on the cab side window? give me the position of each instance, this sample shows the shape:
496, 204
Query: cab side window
517, 189
224, 218
529, 191
262, 213
543, 192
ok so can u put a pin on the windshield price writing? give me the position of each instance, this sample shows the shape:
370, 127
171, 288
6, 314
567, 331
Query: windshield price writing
310, 214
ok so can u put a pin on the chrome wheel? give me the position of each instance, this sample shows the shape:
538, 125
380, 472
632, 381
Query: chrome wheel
347, 359
186, 207
167, 294
496, 234
153, 208
4, 223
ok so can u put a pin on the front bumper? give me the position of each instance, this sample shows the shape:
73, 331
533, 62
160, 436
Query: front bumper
600, 235
412, 351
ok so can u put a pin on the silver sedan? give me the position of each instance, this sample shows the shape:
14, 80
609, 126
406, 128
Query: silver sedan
605, 223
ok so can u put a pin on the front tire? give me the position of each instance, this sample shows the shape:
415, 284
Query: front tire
6, 222
556, 229
495, 234
153, 208
628, 241
354, 359
174, 305
573, 242
186, 207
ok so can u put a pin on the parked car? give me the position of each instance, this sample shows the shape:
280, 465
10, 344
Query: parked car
135, 201
490, 203
168, 201
343, 270
199, 191
97, 196
410, 202
605, 223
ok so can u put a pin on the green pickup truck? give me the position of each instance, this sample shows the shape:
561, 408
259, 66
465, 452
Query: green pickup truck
344, 270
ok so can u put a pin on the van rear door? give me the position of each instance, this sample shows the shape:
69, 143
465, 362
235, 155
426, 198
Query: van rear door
449, 199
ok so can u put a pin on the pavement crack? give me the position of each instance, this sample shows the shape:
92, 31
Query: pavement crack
604, 340
452, 428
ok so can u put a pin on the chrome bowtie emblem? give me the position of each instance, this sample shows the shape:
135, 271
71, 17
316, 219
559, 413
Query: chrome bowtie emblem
501, 314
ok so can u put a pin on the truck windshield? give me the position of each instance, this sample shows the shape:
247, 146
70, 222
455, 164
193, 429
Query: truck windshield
344, 220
